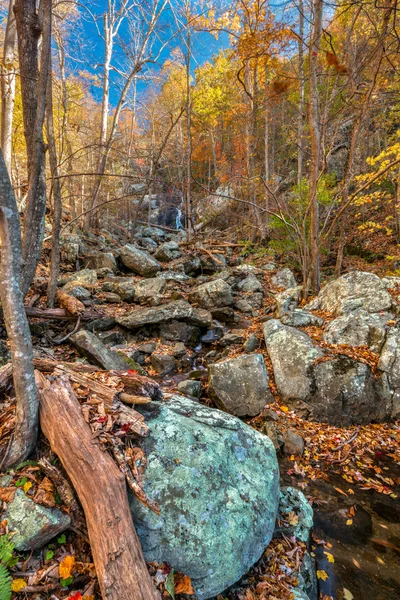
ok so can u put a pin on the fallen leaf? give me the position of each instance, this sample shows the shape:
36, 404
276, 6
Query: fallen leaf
349, 522
27, 486
66, 567
330, 557
18, 585
7, 494
183, 584
76, 596
340, 491
322, 575
46, 493
356, 563
347, 595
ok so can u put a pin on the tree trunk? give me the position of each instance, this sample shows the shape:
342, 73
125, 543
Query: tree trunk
301, 99
188, 129
16, 322
315, 135
57, 200
33, 89
120, 566
8, 87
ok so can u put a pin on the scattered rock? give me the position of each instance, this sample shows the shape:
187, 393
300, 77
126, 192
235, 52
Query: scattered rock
284, 278
243, 305
139, 261
270, 429
220, 497
163, 363
178, 331
292, 500
293, 443
190, 387
101, 260
250, 284
92, 348
167, 252
358, 328
34, 524
234, 337
240, 385
149, 289
213, 294
353, 291
179, 309
84, 278
301, 318
251, 344
389, 363
103, 324
287, 301
80, 293
292, 353
112, 298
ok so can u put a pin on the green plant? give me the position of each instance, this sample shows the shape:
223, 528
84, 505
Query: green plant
7, 560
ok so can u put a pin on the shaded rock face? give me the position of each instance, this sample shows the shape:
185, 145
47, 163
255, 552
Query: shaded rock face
292, 500
292, 353
34, 524
139, 261
148, 289
345, 392
89, 346
213, 294
166, 312
217, 483
353, 291
389, 363
358, 328
240, 385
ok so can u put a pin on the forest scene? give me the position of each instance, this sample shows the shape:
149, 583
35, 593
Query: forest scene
199, 300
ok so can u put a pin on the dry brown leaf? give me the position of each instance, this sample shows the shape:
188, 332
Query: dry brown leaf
7, 494
183, 584
46, 493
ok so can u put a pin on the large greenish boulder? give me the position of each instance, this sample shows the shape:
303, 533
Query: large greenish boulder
139, 261
217, 483
33, 525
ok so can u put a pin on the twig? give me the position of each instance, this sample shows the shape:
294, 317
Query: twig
211, 255
353, 437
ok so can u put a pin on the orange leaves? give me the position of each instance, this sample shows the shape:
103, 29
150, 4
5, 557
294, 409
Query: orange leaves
333, 61
183, 584
66, 567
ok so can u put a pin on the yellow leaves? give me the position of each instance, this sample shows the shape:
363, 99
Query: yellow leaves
347, 595
18, 585
27, 486
349, 522
66, 567
321, 574
330, 557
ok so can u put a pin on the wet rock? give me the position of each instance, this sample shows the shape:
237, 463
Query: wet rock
178, 331
149, 289
167, 252
292, 500
292, 353
219, 500
213, 294
163, 363
250, 284
190, 387
180, 309
101, 260
353, 291
284, 278
212, 335
139, 261
34, 525
346, 392
293, 443
92, 348
333, 524
358, 328
251, 344
240, 385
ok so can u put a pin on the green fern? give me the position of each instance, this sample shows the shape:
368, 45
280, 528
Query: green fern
26, 463
6, 550
5, 583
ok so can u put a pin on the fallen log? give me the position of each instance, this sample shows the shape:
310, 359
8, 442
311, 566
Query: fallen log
60, 313
70, 304
118, 557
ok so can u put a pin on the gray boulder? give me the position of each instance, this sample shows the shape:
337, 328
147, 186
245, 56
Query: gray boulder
250, 284
101, 260
84, 278
80, 292
217, 483
180, 309
284, 278
389, 363
352, 291
358, 328
89, 346
292, 353
240, 385
292, 500
148, 289
178, 331
34, 525
301, 318
287, 301
139, 261
346, 392
167, 251
190, 387
163, 363
212, 294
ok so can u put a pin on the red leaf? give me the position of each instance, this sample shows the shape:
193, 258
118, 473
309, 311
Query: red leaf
76, 596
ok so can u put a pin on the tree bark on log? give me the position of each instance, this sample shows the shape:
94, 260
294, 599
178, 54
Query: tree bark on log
101, 488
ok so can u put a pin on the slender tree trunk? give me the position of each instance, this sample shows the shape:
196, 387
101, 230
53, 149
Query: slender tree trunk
26, 427
301, 98
57, 200
188, 132
267, 173
8, 87
33, 88
315, 135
